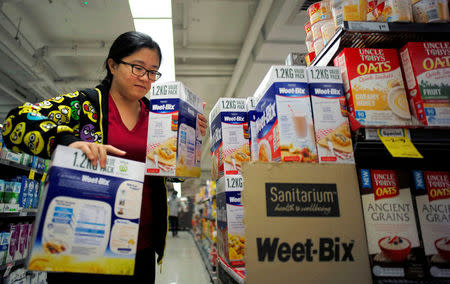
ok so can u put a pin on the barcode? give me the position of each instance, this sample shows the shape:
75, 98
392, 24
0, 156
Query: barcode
433, 15
340, 20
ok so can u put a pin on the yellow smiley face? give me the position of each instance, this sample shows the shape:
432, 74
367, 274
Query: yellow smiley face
7, 126
45, 104
17, 134
34, 142
47, 125
28, 108
65, 111
71, 95
56, 116
98, 137
57, 99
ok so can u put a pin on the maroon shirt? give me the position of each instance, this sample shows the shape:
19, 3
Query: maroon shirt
134, 142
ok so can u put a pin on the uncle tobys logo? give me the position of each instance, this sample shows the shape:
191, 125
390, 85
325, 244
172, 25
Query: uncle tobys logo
384, 184
438, 185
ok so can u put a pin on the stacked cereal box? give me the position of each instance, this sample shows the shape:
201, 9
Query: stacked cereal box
230, 214
348, 10
374, 88
333, 137
251, 113
309, 44
433, 207
427, 71
174, 138
229, 136
284, 117
392, 236
393, 11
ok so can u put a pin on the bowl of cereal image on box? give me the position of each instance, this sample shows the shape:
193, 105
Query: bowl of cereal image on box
264, 152
398, 102
395, 248
443, 247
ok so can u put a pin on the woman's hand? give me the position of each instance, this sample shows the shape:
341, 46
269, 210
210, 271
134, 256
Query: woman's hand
203, 123
95, 151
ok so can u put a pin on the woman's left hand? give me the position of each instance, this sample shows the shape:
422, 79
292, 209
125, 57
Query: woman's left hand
203, 123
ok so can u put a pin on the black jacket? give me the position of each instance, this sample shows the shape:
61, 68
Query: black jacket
36, 129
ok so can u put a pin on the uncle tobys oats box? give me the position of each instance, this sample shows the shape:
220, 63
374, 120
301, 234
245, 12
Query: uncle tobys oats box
333, 137
174, 138
426, 66
374, 87
284, 117
229, 136
392, 236
432, 195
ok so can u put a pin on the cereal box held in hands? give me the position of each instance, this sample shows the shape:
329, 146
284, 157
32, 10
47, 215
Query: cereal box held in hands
374, 87
229, 136
426, 66
88, 217
174, 139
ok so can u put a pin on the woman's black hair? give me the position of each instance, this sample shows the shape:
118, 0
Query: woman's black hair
126, 44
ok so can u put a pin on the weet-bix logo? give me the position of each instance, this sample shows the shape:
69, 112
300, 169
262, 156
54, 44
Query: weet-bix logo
329, 249
268, 114
365, 179
234, 119
163, 107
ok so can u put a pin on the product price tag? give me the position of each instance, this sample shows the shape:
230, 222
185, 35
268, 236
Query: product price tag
31, 175
368, 26
9, 266
398, 143
23, 213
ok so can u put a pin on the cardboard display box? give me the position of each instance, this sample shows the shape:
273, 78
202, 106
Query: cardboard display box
303, 222
174, 139
88, 217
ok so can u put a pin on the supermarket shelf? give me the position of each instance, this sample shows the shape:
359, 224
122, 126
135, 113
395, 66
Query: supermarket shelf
433, 144
22, 213
19, 166
379, 35
208, 266
227, 275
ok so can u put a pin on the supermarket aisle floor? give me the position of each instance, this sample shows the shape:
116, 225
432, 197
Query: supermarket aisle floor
182, 262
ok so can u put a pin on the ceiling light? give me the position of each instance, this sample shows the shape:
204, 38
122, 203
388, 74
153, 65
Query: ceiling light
151, 8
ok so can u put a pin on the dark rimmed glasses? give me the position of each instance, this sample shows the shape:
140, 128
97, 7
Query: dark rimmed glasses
140, 71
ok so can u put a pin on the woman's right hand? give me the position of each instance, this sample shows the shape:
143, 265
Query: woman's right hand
95, 151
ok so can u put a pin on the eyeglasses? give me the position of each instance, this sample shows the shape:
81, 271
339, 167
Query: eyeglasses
140, 71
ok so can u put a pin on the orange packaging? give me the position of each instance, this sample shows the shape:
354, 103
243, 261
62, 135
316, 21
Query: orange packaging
309, 58
371, 9
374, 87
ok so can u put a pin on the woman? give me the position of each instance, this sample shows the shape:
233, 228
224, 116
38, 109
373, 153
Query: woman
112, 118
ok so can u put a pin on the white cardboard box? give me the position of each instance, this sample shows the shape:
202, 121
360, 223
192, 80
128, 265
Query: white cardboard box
174, 139
88, 216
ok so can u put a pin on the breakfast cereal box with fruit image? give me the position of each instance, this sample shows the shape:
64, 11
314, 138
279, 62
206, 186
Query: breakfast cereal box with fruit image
333, 137
284, 117
174, 138
426, 66
229, 136
432, 196
374, 88
391, 228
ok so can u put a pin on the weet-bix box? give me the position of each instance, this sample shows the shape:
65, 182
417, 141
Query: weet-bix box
174, 138
284, 118
253, 134
230, 215
88, 219
333, 137
229, 136
432, 195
